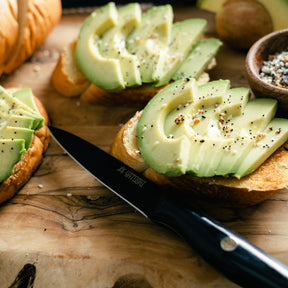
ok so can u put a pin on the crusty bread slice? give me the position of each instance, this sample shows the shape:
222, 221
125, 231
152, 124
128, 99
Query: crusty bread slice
27, 23
8, 36
270, 178
69, 81
67, 78
30, 161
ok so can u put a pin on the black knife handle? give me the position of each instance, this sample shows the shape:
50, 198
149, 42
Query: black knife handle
229, 253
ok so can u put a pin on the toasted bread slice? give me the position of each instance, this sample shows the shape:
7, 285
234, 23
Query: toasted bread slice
30, 161
270, 178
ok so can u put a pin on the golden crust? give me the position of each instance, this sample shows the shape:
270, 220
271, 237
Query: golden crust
8, 36
30, 161
124, 147
137, 96
35, 19
270, 178
67, 78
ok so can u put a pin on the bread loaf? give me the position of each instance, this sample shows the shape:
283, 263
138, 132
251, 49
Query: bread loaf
30, 161
270, 178
24, 26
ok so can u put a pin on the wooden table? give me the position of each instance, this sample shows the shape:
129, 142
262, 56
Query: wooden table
76, 233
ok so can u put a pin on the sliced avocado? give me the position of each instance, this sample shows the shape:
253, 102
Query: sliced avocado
211, 156
113, 43
25, 95
166, 155
38, 120
275, 135
195, 111
204, 120
11, 152
241, 131
255, 117
17, 133
150, 39
12, 106
199, 59
229, 127
235, 101
278, 10
19, 121
232, 154
103, 72
204, 123
184, 34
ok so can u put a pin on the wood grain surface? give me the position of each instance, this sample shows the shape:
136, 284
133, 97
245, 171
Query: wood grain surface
64, 229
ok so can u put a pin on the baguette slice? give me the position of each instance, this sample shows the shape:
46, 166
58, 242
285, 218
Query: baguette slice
67, 78
31, 160
270, 178
69, 81
8, 36
25, 28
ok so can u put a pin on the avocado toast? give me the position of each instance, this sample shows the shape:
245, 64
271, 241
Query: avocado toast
125, 56
211, 140
24, 138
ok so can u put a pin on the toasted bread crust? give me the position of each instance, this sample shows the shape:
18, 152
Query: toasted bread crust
270, 178
67, 78
24, 28
137, 96
8, 36
30, 161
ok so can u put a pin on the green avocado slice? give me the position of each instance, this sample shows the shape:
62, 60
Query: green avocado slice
184, 34
208, 130
25, 95
273, 136
103, 72
198, 59
11, 152
150, 39
113, 43
17, 133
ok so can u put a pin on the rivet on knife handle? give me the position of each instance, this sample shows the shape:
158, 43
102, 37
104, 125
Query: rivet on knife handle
231, 254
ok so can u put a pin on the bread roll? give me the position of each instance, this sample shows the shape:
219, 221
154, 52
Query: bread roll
270, 178
30, 161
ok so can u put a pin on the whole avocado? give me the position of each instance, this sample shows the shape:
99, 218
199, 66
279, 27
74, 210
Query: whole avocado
240, 23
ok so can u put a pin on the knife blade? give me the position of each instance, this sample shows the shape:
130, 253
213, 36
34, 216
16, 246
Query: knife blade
231, 254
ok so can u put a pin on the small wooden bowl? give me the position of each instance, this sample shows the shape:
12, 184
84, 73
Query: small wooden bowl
259, 52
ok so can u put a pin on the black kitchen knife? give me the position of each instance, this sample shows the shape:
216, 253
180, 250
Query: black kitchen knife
229, 253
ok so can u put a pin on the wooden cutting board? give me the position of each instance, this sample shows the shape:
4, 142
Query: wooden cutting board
64, 229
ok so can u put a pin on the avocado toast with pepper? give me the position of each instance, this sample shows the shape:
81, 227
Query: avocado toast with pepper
209, 141
125, 56
24, 138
